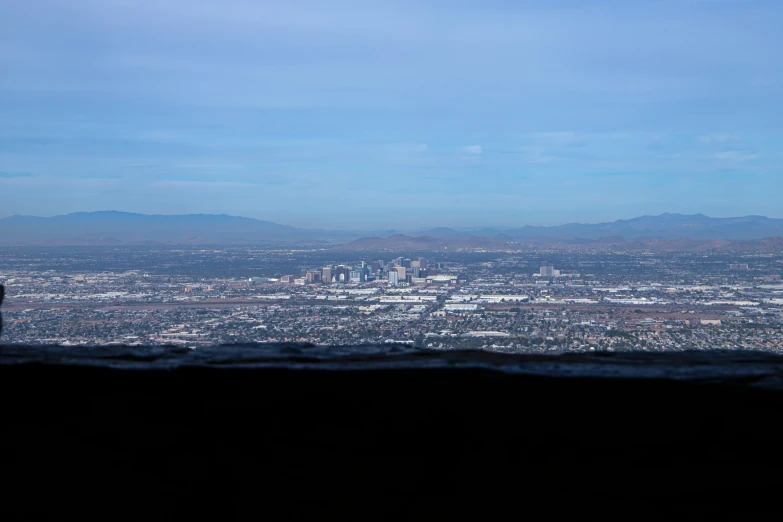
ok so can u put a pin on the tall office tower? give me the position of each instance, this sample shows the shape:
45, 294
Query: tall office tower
343, 273
423, 262
416, 271
401, 272
357, 275
406, 263
393, 278
375, 267
399, 261
326, 274
547, 270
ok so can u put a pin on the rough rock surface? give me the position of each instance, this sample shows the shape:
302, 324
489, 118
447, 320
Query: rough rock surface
240, 432
2, 295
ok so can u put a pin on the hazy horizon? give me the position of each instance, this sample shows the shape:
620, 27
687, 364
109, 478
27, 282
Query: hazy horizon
371, 115
423, 227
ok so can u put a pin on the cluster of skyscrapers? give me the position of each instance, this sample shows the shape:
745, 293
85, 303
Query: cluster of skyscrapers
396, 271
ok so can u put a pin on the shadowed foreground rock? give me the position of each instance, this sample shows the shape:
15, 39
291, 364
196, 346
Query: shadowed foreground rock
2, 295
245, 431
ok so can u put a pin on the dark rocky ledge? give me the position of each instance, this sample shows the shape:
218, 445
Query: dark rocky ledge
239, 432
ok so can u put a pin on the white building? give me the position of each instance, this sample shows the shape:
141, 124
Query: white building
257, 280
394, 278
442, 279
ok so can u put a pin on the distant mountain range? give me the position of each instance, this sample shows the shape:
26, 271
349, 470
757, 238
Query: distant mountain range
401, 243
675, 231
667, 226
121, 228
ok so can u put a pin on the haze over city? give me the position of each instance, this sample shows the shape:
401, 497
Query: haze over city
365, 115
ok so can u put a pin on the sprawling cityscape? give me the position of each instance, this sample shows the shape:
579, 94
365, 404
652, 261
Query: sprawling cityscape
514, 301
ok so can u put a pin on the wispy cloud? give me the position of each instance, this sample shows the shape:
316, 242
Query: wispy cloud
537, 154
473, 149
718, 138
404, 148
194, 184
655, 143
567, 139
736, 155
209, 166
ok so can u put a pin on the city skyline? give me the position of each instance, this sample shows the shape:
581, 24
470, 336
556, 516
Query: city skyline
528, 301
490, 113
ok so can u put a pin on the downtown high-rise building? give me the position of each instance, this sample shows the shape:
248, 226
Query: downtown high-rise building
326, 274
342, 274
394, 278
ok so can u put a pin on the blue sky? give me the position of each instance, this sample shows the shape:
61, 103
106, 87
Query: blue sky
350, 114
